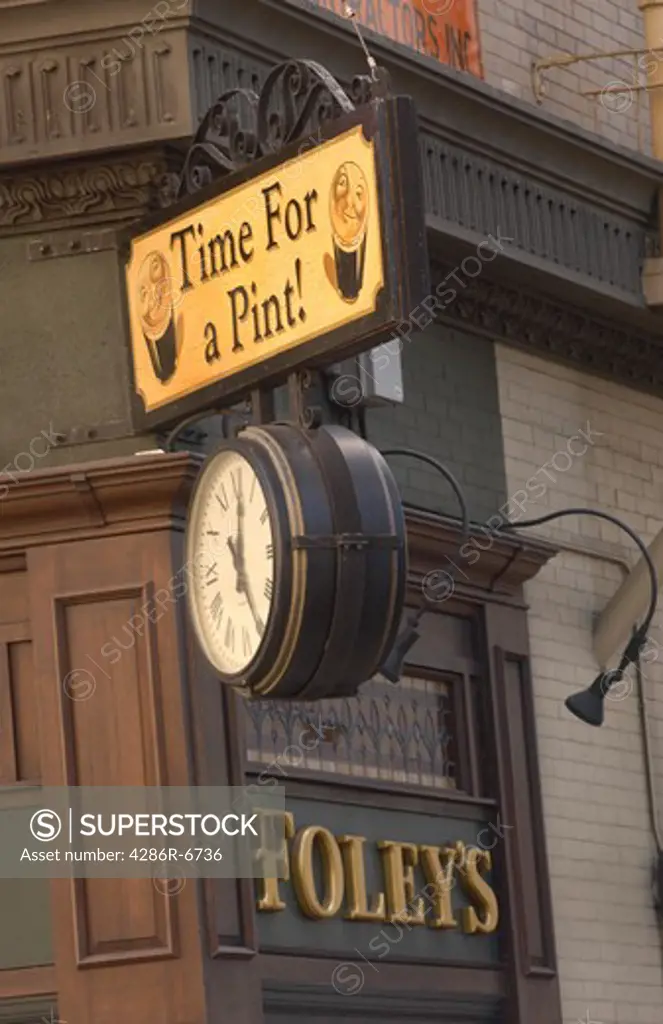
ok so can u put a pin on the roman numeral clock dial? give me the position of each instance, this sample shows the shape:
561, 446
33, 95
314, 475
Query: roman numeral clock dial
231, 545
296, 540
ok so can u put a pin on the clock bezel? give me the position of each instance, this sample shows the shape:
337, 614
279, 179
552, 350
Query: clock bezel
340, 561
275, 626
314, 570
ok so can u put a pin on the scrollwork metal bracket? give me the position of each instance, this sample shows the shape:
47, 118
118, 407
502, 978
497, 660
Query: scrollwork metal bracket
297, 99
296, 102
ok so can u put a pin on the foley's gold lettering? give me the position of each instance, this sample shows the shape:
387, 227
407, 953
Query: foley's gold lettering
270, 898
352, 848
329, 877
304, 877
480, 893
438, 867
400, 860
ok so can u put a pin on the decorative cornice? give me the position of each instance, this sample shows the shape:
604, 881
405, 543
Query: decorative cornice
563, 218
552, 223
93, 91
97, 499
149, 492
536, 323
129, 91
112, 191
577, 205
498, 565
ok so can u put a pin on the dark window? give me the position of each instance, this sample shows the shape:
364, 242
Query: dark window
418, 733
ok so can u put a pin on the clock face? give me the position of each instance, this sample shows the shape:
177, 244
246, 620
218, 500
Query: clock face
232, 549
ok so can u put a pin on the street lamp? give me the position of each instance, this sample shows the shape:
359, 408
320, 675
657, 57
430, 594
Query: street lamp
587, 705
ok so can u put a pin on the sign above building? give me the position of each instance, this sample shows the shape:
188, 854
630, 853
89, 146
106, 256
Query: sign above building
295, 260
446, 30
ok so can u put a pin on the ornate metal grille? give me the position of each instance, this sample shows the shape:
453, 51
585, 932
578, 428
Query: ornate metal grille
403, 733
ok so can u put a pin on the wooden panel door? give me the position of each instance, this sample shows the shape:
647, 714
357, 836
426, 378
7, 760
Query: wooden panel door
113, 712
26, 951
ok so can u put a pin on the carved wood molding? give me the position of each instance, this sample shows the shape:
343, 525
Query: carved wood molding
569, 334
112, 191
498, 565
101, 499
148, 492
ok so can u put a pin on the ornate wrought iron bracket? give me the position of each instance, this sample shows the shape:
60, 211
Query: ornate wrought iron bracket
295, 103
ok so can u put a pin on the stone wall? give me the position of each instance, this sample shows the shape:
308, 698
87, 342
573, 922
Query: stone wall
516, 32
597, 817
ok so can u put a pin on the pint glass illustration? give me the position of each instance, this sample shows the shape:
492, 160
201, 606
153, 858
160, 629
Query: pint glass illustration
348, 203
155, 310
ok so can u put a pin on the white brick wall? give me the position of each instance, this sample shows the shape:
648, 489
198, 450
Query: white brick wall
516, 32
594, 789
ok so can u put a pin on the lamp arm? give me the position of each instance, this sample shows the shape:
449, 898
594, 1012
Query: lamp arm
641, 633
588, 704
411, 453
393, 666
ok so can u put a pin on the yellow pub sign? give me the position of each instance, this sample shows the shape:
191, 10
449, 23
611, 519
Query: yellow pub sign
289, 262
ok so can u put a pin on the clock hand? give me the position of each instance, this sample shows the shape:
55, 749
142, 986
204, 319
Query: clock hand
240, 526
237, 566
237, 552
260, 625
244, 588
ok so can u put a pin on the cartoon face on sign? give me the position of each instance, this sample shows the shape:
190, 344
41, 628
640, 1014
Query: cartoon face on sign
155, 311
348, 207
349, 203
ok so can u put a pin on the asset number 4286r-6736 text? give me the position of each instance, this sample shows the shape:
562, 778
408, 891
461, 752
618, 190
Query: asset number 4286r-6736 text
197, 853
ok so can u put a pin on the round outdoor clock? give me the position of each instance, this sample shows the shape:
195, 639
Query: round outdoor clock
296, 543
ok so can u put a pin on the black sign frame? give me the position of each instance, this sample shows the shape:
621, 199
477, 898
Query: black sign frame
392, 123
